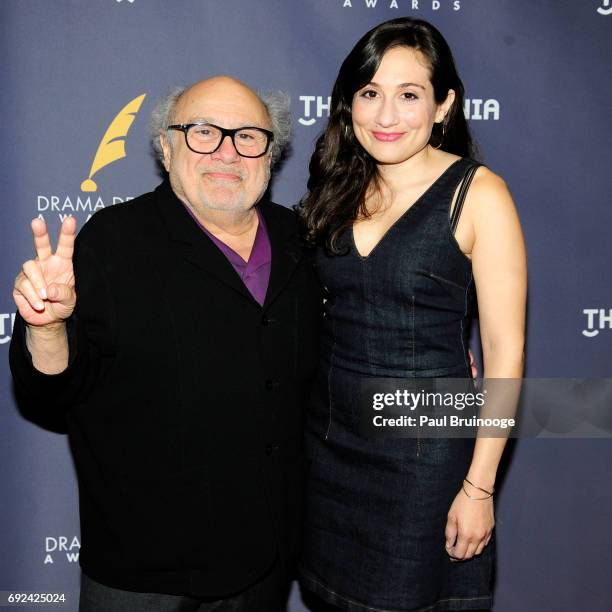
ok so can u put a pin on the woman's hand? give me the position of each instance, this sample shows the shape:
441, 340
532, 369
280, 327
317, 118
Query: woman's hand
469, 526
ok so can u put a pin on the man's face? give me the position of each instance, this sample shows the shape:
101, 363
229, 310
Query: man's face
223, 180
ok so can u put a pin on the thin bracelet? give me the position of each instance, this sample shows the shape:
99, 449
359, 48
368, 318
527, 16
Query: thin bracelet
477, 498
489, 493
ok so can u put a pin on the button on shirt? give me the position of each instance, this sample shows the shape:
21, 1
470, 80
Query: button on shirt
255, 273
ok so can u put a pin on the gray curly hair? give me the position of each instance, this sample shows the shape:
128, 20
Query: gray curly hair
276, 103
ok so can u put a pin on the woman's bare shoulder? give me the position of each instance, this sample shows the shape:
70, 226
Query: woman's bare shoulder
489, 194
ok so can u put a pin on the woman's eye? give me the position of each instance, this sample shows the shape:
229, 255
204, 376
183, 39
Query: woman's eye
369, 94
408, 95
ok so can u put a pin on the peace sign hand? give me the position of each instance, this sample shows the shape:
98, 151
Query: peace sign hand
44, 290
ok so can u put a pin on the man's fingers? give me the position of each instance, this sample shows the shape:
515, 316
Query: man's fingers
34, 274
42, 242
59, 293
25, 288
65, 242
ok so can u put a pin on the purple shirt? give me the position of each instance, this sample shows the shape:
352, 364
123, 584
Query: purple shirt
255, 273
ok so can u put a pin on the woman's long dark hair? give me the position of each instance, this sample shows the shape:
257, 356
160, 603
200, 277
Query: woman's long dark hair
340, 169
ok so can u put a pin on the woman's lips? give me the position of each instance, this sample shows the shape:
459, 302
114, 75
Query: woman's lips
387, 136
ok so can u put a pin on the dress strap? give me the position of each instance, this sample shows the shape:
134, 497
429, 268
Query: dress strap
463, 189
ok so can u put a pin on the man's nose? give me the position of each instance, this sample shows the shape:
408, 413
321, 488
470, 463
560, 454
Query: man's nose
227, 151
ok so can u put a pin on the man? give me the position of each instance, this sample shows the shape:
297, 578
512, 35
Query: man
182, 374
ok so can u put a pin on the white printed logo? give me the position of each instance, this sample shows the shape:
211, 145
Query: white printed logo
67, 206
414, 5
7, 322
476, 109
596, 319
62, 547
314, 104
605, 8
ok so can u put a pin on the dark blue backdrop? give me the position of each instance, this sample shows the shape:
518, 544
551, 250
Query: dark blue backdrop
538, 79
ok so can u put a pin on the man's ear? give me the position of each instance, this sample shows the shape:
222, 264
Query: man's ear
167, 150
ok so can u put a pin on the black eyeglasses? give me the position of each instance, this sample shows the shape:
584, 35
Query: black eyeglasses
207, 138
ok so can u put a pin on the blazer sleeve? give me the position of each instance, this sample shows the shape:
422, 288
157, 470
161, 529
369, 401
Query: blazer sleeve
46, 399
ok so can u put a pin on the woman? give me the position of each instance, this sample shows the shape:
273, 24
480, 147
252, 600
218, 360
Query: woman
406, 252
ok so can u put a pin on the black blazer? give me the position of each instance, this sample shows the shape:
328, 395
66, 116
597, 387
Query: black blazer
183, 400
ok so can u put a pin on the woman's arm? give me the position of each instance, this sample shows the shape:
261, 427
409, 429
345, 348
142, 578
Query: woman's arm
499, 265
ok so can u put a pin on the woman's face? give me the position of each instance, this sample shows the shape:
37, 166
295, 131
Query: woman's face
393, 115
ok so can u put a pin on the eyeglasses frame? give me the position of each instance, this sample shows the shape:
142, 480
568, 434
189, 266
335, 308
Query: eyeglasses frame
185, 127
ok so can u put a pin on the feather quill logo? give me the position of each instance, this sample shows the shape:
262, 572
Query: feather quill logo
112, 145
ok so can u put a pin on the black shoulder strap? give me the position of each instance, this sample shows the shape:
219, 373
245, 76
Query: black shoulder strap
463, 189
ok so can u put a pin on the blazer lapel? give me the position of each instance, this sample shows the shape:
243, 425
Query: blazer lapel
195, 246
286, 249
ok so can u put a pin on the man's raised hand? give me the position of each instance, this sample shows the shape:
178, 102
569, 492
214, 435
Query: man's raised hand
44, 290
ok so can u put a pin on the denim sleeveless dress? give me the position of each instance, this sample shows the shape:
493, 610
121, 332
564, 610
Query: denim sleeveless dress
376, 508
